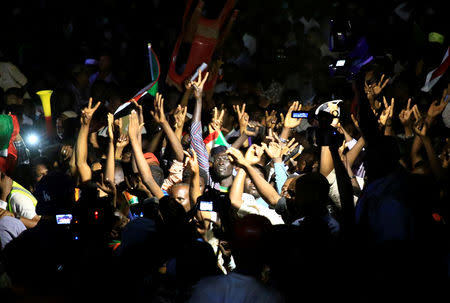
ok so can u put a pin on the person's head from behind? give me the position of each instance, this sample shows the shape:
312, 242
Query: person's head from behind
13, 96
248, 241
382, 157
55, 193
172, 214
24, 176
311, 196
80, 76
99, 90
105, 62
307, 161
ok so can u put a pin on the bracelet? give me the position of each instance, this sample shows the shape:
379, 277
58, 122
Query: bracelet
283, 140
353, 177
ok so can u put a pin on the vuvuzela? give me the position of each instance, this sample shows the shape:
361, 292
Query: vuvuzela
45, 99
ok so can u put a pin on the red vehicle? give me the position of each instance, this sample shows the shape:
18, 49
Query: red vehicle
205, 27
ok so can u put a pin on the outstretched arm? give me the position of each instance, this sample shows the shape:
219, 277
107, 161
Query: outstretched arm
194, 184
289, 122
180, 116
81, 150
197, 143
109, 170
143, 168
160, 118
237, 189
267, 192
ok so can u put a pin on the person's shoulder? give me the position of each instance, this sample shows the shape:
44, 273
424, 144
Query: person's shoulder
10, 223
20, 198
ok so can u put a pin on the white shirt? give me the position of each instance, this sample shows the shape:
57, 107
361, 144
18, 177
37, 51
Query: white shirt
249, 206
21, 206
334, 190
10, 76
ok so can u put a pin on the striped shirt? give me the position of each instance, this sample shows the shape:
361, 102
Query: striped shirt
199, 147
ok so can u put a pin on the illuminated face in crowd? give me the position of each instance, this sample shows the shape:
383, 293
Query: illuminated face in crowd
180, 192
222, 166
40, 170
288, 189
250, 188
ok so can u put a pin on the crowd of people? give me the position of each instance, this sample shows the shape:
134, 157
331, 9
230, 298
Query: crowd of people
295, 178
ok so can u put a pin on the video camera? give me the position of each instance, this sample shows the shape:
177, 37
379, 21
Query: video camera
353, 52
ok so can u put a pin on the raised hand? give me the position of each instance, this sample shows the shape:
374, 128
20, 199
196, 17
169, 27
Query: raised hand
417, 114
290, 122
108, 187
281, 123
180, 116
122, 141
387, 114
134, 129
158, 114
436, 108
374, 90
140, 112
88, 112
236, 156
66, 152
198, 85
271, 120
254, 154
191, 161
406, 114
277, 149
420, 128
216, 121
243, 117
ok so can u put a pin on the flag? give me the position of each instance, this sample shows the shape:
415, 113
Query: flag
155, 72
434, 75
151, 88
9, 129
215, 139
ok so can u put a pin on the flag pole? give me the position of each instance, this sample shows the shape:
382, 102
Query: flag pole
149, 47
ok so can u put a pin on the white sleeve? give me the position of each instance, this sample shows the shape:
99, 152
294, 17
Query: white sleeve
17, 74
22, 206
334, 191
249, 206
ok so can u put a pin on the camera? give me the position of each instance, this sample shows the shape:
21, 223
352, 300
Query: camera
64, 219
206, 206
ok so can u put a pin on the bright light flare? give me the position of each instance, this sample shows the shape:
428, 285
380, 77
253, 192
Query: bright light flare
32, 139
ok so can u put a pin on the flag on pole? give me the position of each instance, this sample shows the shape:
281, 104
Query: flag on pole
436, 74
155, 72
151, 88
215, 139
